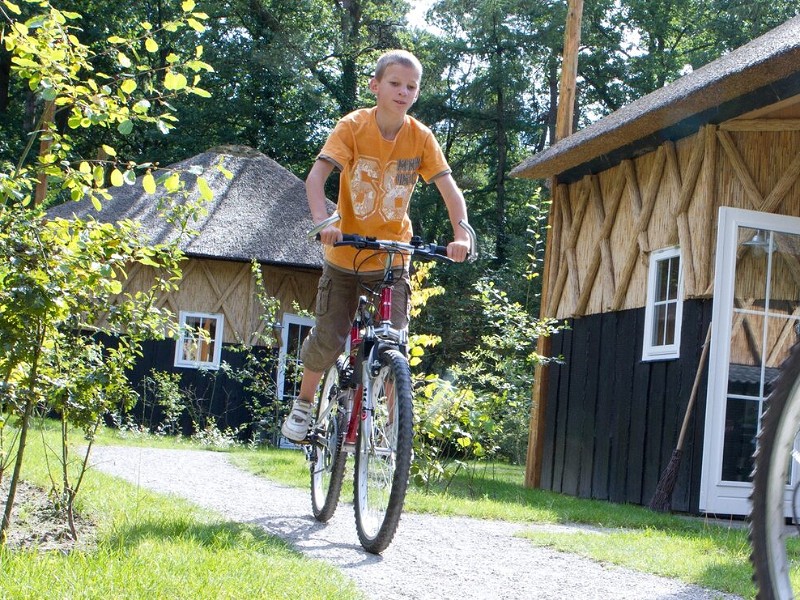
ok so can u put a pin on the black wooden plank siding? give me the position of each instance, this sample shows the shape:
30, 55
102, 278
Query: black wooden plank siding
612, 420
554, 373
589, 412
214, 394
606, 410
562, 390
578, 401
623, 349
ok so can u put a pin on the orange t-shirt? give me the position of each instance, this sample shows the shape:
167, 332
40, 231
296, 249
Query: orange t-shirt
377, 179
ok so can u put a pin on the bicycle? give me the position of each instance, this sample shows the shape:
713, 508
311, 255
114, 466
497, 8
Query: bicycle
778, 449
364, 405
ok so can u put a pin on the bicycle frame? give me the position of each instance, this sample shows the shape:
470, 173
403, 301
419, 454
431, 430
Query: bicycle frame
365, 338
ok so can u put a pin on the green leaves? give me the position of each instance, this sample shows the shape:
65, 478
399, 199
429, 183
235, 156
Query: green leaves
149, 183
12, 7
116, 178
205, 191
174, 81
125, 126
128, 86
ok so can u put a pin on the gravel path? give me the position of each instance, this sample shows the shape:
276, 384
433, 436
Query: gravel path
430, 558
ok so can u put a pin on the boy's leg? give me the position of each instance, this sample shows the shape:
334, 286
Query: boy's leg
337, 297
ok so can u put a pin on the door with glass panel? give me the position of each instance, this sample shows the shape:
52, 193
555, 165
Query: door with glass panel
754, 324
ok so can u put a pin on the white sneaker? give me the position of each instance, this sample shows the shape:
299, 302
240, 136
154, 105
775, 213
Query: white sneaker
295, 427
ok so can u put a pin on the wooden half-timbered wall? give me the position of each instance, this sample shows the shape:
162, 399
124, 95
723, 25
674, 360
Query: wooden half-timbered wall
229, 288
608, 421
605, 225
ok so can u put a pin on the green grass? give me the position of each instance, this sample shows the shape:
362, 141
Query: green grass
692, 550
153, 546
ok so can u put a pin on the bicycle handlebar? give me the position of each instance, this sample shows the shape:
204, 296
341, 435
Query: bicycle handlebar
416, 246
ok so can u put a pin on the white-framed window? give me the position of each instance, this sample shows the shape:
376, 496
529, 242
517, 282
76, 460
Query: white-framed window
294, 330
200, 343
664, 309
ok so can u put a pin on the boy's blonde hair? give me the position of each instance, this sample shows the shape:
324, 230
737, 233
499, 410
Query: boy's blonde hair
396, 57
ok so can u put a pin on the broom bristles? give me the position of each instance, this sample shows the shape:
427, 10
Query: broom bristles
662, 499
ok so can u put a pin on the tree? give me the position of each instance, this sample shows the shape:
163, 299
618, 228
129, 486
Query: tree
60, 276
634, 47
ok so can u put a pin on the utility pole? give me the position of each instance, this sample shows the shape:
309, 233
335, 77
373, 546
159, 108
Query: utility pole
564, 120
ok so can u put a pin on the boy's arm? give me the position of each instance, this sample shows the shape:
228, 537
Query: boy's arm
317, 202
457, 211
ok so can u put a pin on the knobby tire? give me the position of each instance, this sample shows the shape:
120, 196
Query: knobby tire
780, 425
383, 454
328, 458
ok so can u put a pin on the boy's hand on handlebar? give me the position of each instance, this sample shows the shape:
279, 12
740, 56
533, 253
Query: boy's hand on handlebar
330, 235
458, 251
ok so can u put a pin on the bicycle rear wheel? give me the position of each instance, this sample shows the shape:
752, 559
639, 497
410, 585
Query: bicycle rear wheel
327, 457
383, 455
773, 462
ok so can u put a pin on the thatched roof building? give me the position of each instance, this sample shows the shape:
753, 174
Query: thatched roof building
676, 211
261, 212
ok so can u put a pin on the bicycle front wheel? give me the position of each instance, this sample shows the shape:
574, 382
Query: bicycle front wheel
773, 464
383, 455
327, 457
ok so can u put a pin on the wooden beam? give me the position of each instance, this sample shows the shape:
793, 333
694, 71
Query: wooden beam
761, 125
703, 251
785, 183
604, 255
639, 245
741, 170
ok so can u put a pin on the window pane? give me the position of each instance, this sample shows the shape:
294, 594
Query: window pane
190, 350
741, 419
659, 324
665, 301
662, 285
669, 324
672, 278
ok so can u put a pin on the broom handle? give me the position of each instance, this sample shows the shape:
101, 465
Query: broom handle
696, 385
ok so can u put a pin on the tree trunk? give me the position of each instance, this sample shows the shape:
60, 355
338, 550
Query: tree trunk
12, 488
350, 29
30, 403
501, 145
5, 80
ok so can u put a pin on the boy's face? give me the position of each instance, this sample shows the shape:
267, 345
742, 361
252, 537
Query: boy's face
397, 90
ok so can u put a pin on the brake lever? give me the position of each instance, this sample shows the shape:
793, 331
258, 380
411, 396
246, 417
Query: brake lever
314, 233
473, 240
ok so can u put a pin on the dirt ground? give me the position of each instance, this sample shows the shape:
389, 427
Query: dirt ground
37, 524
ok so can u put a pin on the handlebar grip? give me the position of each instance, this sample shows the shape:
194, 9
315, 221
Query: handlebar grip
440, 250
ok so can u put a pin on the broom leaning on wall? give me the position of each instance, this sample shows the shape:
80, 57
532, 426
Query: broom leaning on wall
662, 498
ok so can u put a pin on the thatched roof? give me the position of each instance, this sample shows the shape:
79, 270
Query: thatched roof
261, 212
758, 74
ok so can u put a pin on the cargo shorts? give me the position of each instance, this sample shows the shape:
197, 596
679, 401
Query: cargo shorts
337, 301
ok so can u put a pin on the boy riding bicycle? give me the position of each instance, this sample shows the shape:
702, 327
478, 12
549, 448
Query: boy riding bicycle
381, 152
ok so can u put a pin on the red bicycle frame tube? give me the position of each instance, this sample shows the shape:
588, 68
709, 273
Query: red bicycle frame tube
355, 343
386, 304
